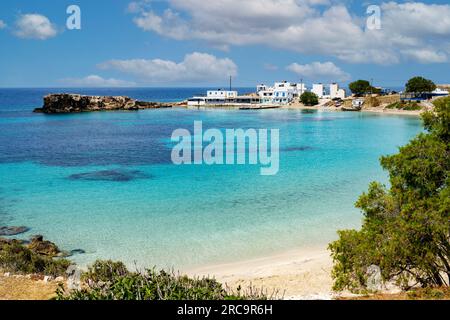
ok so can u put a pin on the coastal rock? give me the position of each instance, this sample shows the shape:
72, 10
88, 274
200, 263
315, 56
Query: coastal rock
74, 103
4, 241
43, 247
12, 231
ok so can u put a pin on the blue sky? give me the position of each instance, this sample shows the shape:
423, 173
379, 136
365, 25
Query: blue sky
200, 43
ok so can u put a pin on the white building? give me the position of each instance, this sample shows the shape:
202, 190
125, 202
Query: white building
216, 97
300, 89
318, 89
221, 94
261, 87
223, 98
335, 92
266, 96
281, 93
196, 101
283, 96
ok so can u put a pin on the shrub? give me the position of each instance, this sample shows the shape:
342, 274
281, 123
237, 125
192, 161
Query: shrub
105, 271
16, 258
309, 99
409, 106
107, 280
406, 229
412, 107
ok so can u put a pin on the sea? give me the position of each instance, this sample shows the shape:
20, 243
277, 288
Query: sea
104, 182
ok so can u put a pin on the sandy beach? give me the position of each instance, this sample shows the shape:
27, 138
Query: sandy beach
380, 110
301, 274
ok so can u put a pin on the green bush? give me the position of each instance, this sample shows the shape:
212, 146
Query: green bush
107, 280
309, 99
16, 258
408, 106
412, 107
406, 229
105, 271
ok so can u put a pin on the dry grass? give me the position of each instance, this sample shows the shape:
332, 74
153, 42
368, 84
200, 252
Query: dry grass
22, 288
419, 294
381, 101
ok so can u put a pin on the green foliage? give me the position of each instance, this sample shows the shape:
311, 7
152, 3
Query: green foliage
408, 106
107, 280
105, 271
309, 99
406, 229
430, 294
362, 87
420, 85
16, 258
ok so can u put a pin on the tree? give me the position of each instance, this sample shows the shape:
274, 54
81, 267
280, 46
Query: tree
420, 85
406, 229
360, 87
309, 99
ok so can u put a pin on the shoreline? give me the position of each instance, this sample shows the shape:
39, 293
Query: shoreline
368, 110
300, 107
300, 274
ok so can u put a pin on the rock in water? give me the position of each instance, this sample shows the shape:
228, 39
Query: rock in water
110, 175
77, 251
12, 231
73, 103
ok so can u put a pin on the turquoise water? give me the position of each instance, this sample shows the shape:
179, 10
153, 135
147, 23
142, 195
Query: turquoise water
104, 183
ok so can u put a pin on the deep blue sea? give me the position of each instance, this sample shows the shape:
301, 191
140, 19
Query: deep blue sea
104, 182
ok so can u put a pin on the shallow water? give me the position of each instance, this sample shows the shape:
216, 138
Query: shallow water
103, 182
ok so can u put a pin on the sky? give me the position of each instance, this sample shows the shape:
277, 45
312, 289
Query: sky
193, 43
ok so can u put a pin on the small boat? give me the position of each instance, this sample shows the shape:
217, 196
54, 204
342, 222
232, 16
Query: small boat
352, 108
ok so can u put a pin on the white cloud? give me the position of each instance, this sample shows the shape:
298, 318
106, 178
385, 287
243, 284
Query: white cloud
2, 24
426, 55
319, 70
96, 81
34, 26
196, 67
307, 26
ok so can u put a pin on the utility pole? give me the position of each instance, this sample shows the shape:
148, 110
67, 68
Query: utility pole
230, 82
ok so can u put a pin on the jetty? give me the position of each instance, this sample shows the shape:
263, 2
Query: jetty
259, 107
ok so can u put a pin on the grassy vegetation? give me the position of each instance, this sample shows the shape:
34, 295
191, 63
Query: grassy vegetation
19, 259
408, 106
108, 280
442, 293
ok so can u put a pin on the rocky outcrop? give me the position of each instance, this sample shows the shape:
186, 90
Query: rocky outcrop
43, 247
73, 103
